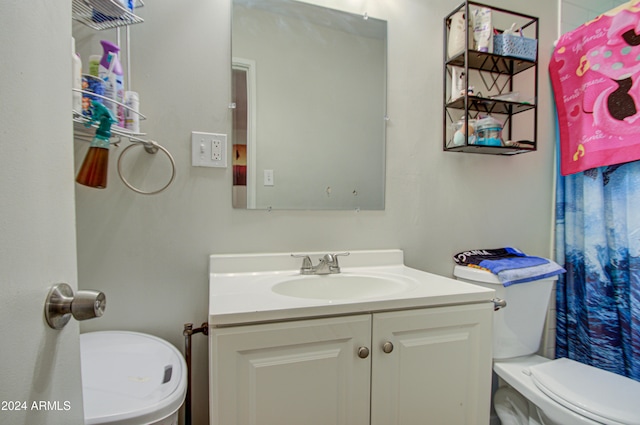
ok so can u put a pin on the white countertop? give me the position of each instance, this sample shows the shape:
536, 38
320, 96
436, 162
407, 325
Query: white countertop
240, 288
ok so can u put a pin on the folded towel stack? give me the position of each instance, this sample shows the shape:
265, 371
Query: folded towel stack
510, 264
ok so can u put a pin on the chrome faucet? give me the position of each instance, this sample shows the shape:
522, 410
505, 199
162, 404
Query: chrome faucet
328, 264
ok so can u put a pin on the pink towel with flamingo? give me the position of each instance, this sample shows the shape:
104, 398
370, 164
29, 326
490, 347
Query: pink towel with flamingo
595, 74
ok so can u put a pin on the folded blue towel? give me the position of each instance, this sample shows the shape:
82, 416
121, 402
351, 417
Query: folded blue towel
497, 266
496, 260
527, 274
510, 264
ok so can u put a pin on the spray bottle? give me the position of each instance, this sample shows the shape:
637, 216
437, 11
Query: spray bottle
110, 71
93, 172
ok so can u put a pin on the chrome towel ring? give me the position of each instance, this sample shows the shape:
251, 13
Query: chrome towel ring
152, 148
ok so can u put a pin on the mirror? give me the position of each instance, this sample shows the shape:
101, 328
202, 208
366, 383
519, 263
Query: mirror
309, 88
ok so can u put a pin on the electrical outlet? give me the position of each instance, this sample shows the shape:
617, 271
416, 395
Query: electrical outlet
216, 150
208, 149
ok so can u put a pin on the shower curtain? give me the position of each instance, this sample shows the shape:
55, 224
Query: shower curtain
598, 243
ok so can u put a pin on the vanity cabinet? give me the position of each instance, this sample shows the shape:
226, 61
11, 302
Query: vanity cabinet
426, 365
301, 372
501, 84
439, 370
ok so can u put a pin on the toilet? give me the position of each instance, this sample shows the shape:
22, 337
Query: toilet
537, 390
131, 378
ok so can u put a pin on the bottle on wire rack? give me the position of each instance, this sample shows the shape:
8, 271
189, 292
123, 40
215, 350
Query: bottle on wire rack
110, 71
93, 172
76, 80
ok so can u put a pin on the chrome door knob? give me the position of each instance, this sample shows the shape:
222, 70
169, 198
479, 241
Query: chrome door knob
88, 304
387, 347
61, 304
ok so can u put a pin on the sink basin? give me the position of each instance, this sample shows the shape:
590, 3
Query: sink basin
340, 286
268, 287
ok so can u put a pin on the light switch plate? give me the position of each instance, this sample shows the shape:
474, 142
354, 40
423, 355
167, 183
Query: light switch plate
268, 178
208, 149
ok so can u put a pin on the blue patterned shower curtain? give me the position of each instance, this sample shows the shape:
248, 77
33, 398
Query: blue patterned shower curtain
598, 243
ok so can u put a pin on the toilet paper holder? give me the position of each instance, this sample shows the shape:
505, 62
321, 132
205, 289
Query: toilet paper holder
62, 303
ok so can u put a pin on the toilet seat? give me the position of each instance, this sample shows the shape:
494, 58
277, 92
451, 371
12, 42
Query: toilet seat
613, 400
130, 378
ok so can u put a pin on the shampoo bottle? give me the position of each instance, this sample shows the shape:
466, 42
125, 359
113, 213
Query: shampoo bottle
132, 119
482, 29
457, 35
94, 65
110, 71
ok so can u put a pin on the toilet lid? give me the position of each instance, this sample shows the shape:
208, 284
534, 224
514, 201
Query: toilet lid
130, 378
594, 393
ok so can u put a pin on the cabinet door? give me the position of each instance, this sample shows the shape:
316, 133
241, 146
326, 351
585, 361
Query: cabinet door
304, 372
439, 370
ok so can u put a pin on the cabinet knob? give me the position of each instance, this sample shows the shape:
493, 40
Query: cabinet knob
387, 347
363, 352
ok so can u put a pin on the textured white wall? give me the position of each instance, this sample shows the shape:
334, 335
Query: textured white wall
574, 13
149, 253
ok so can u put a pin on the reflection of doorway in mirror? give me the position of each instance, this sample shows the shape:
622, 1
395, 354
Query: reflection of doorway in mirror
244, 158
239, 165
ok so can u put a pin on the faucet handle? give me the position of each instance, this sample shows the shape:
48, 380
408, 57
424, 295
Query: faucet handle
307, 265
339, 254
332, 260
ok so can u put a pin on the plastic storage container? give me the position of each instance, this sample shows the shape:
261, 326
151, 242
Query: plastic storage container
462, 134
131, 378
515, 46
489, 132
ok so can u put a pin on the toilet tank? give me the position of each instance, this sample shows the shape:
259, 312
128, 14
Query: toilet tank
517, 328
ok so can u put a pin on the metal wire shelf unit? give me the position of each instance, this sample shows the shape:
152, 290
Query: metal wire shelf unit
496, 74
110, 14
